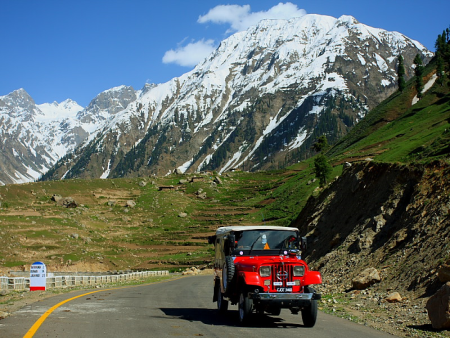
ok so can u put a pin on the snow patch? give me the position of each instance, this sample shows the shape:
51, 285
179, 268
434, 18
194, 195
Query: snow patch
107, 171
298, 141
65, 174
185, 166
427, 86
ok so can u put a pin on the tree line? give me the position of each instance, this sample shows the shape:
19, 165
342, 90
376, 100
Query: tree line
442, 56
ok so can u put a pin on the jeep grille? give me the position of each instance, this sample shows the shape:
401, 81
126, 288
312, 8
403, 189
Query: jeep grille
282, 273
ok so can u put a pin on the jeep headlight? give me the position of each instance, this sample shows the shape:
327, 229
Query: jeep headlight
299, 270
264, 271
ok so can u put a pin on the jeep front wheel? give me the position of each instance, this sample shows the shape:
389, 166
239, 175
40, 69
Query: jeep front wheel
245, 307
228, 271
309, 314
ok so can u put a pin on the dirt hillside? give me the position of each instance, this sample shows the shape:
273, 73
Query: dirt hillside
394, 218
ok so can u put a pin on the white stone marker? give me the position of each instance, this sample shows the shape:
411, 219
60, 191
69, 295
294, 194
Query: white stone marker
38, 274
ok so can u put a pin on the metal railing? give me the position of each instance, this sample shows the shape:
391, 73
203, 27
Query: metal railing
55, 282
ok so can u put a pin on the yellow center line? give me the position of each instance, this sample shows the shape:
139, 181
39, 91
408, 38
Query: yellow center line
32, 331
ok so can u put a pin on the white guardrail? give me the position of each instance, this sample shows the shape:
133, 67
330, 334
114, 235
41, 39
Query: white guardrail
23, 283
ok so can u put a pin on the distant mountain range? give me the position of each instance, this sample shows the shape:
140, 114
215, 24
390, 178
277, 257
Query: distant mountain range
258, 102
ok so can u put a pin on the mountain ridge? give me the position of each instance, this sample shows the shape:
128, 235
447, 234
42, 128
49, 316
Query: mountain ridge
236, 109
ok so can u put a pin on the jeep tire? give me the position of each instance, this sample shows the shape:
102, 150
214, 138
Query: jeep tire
309, 314
228, 272
222, 304
245, 307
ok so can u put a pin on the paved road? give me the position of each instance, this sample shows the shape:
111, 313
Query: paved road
179, 308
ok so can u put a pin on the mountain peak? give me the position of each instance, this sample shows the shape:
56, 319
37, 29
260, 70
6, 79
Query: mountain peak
59, 111
107, 103
348, 19
17, 94
19, 103
19, 91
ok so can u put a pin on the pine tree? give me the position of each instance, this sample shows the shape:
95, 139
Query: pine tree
442, 56
418, 71
447, 49
321, 144
322, 169
440, 73
401, 74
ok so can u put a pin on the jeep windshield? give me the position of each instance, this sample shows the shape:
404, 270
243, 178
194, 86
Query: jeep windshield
264, 242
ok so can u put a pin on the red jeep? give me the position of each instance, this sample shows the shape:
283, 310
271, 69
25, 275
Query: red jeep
260, 269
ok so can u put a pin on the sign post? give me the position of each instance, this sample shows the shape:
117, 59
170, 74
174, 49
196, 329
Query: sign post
38, 274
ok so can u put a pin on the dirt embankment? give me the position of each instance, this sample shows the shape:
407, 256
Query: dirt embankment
395, 218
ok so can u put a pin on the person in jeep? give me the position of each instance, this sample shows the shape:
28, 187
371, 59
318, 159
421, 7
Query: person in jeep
260, 269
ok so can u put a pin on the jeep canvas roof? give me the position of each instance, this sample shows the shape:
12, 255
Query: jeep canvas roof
223, 230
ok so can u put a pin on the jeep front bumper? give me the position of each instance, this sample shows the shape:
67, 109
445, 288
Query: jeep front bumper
284, 299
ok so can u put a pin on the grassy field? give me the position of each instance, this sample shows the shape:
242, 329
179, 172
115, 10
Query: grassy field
399, 131
103, 233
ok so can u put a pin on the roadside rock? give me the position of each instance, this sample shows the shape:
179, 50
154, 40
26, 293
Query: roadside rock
394, 297
142, 183
130, 203
68, 202
444, 273
217, 180
365, 240
56, 198
191, 271
438, 308
182, 215
202, 195
366, 278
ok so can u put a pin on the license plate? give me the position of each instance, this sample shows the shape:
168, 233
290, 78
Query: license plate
284, 289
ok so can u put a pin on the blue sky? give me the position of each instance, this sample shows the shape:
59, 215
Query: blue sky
63, 49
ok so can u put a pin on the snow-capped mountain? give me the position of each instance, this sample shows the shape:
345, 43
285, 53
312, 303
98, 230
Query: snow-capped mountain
259, 101
33, 137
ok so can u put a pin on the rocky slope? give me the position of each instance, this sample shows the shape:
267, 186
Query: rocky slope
394, 218
257, 102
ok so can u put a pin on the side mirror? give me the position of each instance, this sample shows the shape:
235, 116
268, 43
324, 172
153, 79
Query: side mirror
212, 239
303, 243
232, 240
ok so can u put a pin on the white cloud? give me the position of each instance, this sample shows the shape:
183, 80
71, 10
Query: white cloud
191, 54
240, 18
225, 14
